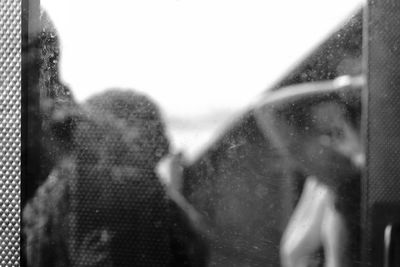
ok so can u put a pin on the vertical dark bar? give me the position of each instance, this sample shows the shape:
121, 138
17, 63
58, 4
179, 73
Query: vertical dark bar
31, 125
381, 189
364, 224
30, 119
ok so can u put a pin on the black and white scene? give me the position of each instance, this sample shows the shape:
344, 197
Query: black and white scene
210, 133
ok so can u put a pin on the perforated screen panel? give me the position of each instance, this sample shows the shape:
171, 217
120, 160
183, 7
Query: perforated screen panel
381, 190
10, 133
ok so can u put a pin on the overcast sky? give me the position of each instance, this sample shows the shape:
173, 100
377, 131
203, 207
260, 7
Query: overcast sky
200, 60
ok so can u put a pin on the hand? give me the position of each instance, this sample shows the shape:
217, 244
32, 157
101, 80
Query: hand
170, 170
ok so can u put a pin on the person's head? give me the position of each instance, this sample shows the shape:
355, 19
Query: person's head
140, 118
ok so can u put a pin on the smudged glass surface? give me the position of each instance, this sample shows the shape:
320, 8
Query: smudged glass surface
274, 182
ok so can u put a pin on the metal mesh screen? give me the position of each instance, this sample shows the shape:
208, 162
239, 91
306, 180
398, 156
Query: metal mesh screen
384, 78
382, 184
10, 57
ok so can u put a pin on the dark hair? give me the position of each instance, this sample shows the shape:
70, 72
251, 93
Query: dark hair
141, 117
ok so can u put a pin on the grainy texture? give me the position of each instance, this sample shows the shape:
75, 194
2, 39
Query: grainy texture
248, 182
10, 99
103, 204
381, 196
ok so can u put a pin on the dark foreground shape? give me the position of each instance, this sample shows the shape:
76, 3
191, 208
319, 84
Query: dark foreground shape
103, 204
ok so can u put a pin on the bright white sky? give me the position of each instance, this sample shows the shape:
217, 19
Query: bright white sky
200, 60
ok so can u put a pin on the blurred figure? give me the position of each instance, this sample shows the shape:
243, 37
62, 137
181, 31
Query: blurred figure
145, 127
103, 204
321, 217
116, 191
145, 133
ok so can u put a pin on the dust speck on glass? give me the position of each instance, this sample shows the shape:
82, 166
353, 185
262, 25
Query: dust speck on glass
128, 177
